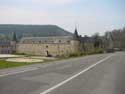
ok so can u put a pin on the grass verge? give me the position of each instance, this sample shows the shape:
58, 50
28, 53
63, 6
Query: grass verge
5, 64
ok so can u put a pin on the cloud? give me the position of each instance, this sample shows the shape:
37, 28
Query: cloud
20, 16
90, 18
54, 2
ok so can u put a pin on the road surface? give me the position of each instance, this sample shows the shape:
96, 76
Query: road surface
95, 74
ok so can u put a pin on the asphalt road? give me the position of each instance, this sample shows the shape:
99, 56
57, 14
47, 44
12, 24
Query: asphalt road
95, 74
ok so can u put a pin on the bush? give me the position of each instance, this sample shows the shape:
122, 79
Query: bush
20, 54
96, 51
77, 54
73, 55
99, 51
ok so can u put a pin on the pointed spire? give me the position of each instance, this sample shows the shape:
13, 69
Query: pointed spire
14, 38
76, 32
76, 36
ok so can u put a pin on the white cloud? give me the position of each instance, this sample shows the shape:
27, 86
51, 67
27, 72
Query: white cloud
55, 2
88, 22
20, 16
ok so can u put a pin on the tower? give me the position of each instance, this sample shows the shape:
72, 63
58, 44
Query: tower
14, 38
13, 42
76, 42
76, 36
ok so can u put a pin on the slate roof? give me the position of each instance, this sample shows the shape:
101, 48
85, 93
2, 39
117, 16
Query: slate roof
46, 39
32, 30
5, 43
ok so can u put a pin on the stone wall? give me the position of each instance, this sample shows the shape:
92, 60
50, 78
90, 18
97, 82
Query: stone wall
55, 49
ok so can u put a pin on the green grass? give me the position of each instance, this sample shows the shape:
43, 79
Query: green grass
5, 64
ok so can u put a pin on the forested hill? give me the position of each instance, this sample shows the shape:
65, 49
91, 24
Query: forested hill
32, 31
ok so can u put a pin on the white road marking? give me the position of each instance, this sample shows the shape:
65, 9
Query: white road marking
67, 80
21, 71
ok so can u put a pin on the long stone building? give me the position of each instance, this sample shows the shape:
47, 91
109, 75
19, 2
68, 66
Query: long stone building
49, 46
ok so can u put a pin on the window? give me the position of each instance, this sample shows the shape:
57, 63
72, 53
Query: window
24, 41
68, 41
39, 41
46, 46
59, 41
33, 41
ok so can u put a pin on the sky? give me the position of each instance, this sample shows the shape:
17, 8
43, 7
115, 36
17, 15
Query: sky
89, 16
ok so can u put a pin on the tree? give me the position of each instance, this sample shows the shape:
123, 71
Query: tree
118, 37
97, 40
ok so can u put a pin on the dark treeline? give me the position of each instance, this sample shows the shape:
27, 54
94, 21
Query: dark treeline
114, 39
118, 37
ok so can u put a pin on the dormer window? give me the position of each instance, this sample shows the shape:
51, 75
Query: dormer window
46, 46
68, 41
45, 41
59, 41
